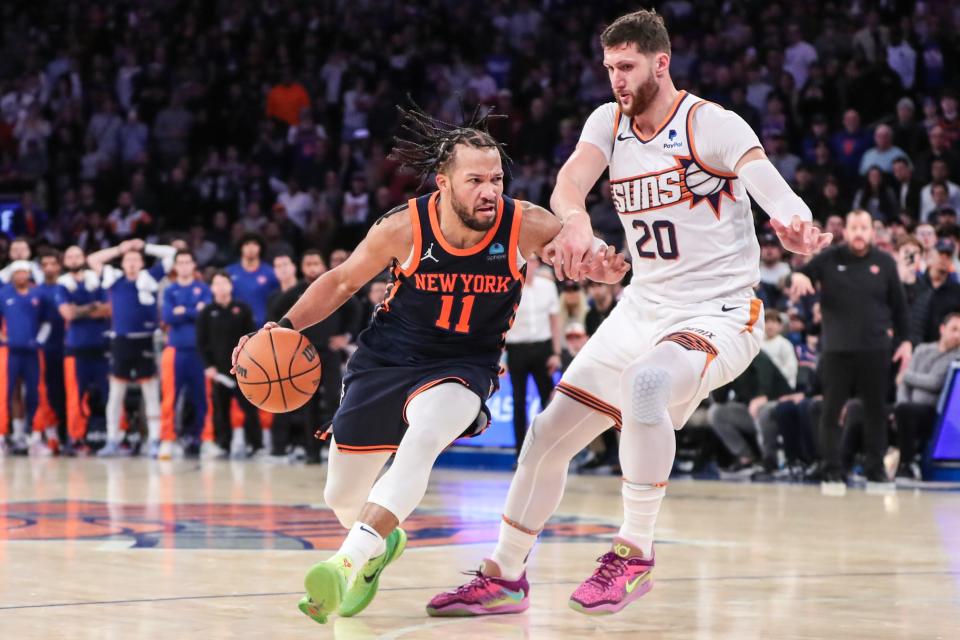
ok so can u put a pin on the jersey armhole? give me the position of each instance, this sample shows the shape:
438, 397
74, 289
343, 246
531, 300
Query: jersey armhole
410, 264
514, 250
693, 149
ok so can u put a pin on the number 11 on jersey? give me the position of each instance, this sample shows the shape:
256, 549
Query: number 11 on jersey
446, 307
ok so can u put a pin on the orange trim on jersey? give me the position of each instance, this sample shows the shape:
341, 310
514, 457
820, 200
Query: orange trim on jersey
515, 240
429, 385
693, 148
755, 305
616, 124
168, 394
394, 287
414, 214
586, 398
670, 116
468, 251
693, 342
377, 448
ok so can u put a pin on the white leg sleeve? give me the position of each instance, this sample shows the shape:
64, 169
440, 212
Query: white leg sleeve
668, 376
118, 389
151, 404
349, 478
556, 435
436, 417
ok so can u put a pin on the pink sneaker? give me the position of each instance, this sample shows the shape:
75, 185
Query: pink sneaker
483, 596
622, 577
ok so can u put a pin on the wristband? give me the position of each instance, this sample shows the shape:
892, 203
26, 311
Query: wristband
285, 323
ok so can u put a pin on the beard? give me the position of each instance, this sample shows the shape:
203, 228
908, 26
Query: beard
468, 217
641, 98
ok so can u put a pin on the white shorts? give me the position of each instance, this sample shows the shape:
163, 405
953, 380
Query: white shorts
728, 330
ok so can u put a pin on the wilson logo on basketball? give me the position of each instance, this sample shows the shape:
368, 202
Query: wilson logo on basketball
310, 353
685, 182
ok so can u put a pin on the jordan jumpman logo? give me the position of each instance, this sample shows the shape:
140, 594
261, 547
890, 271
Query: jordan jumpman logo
429, 254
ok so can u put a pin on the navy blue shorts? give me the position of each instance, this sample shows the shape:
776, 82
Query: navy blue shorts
372, 413
132, 358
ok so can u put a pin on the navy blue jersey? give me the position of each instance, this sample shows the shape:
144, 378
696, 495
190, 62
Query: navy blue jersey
447, 303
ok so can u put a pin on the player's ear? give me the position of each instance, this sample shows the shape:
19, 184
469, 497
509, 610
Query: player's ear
443, 181
661, 63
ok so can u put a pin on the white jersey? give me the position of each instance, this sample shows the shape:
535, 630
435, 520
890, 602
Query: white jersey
688, 221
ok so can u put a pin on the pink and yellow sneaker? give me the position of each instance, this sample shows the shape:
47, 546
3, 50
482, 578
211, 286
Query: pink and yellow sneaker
483, 596
622, 577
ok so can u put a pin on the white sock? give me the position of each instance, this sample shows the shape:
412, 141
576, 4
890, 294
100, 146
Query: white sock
19, 429
52, 434
641, 504
513, 547
36, 437
151, 406
361, 544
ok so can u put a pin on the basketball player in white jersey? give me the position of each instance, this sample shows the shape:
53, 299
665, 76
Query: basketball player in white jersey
680, 169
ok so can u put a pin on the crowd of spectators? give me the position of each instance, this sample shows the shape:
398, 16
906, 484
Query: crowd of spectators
205, 121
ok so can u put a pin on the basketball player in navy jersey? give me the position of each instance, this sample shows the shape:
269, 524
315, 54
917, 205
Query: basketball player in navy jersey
429, 361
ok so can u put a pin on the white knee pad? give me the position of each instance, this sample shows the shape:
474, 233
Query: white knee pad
649, 393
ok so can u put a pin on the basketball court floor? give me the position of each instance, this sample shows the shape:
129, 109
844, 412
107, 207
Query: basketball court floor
127, 549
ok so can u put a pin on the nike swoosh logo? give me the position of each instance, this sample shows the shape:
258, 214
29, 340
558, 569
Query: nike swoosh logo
365, 530
633, 585
622, 139
726, 308
508, 596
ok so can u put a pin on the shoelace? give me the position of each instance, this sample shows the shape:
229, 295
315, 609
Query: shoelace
479, 581
611, 566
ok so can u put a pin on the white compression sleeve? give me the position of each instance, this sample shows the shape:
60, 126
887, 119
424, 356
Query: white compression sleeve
765, 185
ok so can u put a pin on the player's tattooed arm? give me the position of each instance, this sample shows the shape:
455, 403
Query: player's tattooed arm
388, 241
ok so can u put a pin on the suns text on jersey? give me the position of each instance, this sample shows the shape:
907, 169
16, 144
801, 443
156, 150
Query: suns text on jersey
651, 191
462, 283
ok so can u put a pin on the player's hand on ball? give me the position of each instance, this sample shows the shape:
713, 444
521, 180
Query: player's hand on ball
571, 247
801, 237
606, 266
243, 340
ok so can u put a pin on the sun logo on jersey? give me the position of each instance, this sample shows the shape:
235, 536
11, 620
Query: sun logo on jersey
686, 181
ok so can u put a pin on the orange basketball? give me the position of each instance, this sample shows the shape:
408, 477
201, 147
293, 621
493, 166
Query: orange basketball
278, 370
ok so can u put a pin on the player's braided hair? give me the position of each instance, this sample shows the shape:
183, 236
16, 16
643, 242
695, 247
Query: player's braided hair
426, 144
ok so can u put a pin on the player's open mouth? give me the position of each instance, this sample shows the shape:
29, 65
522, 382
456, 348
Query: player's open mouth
487, 209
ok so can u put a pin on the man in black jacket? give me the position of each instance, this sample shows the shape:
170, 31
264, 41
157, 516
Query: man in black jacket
330, 337
219, 327
864, 321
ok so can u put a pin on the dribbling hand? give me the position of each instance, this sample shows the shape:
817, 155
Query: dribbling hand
243, 340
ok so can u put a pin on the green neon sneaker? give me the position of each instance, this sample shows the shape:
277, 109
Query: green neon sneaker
364, 588
326, 584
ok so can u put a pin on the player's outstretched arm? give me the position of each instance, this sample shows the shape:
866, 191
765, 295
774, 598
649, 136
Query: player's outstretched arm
538, 230
789, 215
574, 181
389, 239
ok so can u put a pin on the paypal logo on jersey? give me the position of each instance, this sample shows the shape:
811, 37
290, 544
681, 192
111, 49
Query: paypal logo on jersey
674, 143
